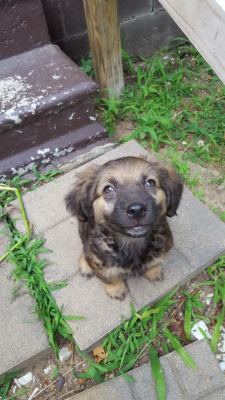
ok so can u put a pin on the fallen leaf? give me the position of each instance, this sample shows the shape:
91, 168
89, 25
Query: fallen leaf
80, 381
99, 354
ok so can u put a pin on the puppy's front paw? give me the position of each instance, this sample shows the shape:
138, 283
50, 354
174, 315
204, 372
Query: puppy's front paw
117, 290
154, 274
84, 268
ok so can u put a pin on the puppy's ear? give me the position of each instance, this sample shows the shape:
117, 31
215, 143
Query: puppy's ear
79, 200
172, 185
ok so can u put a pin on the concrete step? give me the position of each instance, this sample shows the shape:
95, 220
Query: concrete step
47, 105
199, 239
206, 382
23, 339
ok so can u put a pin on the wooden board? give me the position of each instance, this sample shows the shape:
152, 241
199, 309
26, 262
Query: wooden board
203, 22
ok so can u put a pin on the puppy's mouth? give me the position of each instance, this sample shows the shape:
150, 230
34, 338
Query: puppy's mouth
137, 231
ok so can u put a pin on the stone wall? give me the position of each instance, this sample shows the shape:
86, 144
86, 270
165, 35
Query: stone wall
145, 26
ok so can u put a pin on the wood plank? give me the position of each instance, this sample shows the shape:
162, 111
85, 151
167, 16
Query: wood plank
203, 22
104, 36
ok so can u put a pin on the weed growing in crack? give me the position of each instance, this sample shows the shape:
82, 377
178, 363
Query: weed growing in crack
25, 253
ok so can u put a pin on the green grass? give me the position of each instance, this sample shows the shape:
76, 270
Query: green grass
175, 101
29, 265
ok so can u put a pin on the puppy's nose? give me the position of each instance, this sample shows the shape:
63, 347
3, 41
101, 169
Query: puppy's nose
136, 210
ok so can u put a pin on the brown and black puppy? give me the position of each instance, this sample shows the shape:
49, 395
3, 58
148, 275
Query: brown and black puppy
121, 207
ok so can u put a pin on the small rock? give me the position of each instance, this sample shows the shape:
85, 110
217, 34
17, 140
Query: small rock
25, 379
60, 383
222, 366
64, 354
222, 346
199, 329
47, 370
208, 299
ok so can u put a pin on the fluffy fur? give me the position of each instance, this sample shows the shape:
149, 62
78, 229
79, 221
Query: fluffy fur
122, 207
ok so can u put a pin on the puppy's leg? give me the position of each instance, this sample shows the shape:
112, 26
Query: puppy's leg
154, 272
117, 289
84, 267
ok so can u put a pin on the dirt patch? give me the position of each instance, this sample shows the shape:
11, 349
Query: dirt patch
52, 379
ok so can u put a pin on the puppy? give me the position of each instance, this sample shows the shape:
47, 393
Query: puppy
121, 207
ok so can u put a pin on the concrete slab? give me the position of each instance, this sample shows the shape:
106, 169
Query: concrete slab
65, 244
87, 298
116, 389
143, 386
206, 382
208, 377
198, 233
199, 239
23, 339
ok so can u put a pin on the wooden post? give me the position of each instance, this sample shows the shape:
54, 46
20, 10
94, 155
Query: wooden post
104, 37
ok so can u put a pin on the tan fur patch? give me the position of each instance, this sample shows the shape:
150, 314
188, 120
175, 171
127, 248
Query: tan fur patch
102, 207
84, 267
126, 172
117, 289
160, 199
154, 274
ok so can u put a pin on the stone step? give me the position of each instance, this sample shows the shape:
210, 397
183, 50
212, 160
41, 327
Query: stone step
23, 339
47, 105
206, 382
199, 239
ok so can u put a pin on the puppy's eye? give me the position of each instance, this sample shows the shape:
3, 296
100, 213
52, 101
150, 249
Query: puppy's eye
108, 189
150, 183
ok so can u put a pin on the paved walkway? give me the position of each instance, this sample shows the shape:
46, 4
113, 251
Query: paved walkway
199, 239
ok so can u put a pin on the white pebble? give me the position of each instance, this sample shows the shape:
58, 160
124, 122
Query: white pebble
64, 354
25, 379
201, 143
47, 370
198, 329
222, 366
222, 346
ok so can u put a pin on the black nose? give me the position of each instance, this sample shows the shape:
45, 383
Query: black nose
136, 210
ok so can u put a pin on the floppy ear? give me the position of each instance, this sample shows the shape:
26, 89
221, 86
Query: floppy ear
172, 185
79, 200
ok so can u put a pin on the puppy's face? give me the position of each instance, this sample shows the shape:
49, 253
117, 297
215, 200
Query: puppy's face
128, 195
